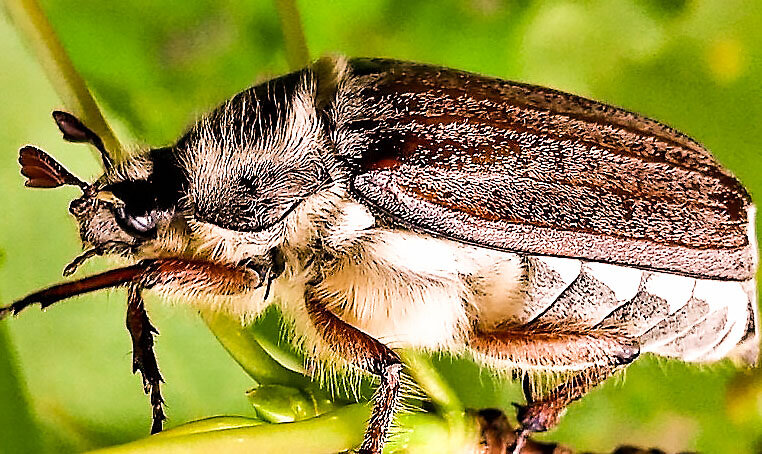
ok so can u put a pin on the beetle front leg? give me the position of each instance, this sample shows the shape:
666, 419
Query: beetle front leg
367, 353
143, 357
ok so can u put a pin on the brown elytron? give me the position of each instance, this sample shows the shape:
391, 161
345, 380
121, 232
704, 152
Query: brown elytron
530, 169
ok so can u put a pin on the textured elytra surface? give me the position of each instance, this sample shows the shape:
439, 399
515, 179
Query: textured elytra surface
534, 170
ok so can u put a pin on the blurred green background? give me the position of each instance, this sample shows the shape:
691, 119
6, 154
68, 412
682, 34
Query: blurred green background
65, 381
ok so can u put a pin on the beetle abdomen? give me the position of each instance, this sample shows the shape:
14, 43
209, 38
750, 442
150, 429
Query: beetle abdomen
672, 315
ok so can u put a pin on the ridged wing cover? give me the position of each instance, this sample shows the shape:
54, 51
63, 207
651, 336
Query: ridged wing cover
529, 169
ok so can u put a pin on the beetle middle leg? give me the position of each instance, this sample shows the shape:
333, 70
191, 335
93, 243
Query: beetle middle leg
367, 353
595, 353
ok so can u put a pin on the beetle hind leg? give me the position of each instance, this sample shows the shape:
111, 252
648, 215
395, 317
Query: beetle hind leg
541, 414
590, 354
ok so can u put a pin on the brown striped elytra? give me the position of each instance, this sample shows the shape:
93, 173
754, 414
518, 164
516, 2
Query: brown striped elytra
521, 160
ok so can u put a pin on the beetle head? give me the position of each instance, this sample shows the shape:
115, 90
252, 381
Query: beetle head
228, 192
250, 188
120, 211
137, 209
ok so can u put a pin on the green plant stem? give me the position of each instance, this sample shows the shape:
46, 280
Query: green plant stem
439, 391
267, 331
297, 53
332, 432
420, 367
428, 433
30, 20
337, 431
209, 425
247, 352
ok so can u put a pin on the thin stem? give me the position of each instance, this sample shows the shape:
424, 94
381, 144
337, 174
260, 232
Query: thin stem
439, 391
250, 355
30, 20
336, 431
425, 374
209, 425
297, 53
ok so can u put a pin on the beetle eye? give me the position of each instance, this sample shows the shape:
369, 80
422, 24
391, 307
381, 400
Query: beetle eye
135, 210
137, 225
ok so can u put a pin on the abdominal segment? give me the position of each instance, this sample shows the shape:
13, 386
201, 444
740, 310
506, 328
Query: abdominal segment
675, 316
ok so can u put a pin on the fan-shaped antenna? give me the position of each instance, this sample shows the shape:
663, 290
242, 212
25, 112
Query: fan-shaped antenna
75, 131
42, 171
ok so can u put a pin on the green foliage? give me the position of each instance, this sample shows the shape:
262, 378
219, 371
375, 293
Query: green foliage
17, 425
156, 65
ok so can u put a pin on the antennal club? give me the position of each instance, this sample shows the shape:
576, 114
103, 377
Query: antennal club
75, 131
42, 171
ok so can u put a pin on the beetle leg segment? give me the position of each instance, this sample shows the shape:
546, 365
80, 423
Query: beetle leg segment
594, 352
143, 357
367, 353
541, 415
554, 348
203, 277
495, 431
